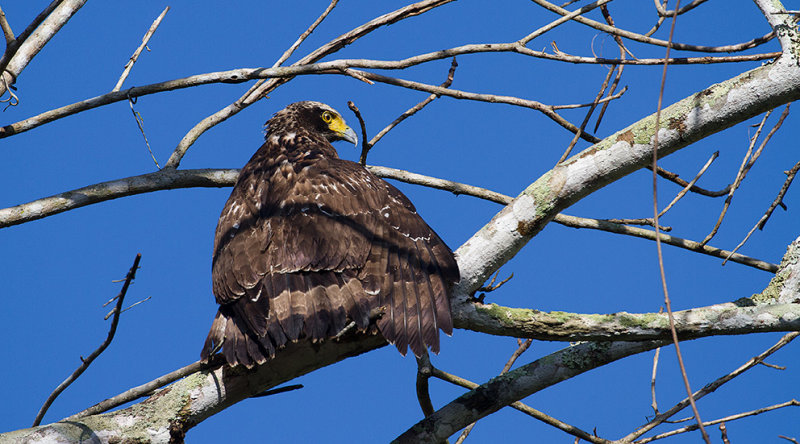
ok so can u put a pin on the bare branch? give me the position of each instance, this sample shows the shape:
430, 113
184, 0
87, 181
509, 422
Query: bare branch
518, 384
85, 363
524, 408
261, 89
523, 346
672, 177
664, 13
775, 204
101, 192
747, 163
33, 43
288, 53
142, 390
6, 27
640, 38
416, 108
792, 403
711, 387
424, 368
690, 184
135, 56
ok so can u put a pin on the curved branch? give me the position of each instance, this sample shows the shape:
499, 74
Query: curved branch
101, 192
640, 38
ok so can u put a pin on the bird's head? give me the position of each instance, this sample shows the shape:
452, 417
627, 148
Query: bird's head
315, 116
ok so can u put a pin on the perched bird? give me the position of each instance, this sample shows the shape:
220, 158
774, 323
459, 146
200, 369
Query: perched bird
308, 243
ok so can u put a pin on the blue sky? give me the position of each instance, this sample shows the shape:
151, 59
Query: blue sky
58, 271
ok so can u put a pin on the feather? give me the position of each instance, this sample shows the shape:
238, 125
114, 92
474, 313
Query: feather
307, 241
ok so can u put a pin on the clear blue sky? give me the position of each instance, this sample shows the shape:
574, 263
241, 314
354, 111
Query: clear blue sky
57, 272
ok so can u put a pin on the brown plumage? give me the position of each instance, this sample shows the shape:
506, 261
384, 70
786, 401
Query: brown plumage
308, 242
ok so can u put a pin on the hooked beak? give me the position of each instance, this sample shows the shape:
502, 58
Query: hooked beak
349, 135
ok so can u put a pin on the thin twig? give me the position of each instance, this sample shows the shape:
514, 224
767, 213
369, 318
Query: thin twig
693, 427
587, 117
261, 89
416, 108
747, 163
86, 362
288, 53
619, 68
524, 408
565, 18
672, 177
214, 178
7, 31
135, 56
667, 44
709, 388
641, 221
144, 389
605, 101
664, 13
790, 175
547, 110
362, 159
690, 184
662, 273
522, 346
275, 391
724, 431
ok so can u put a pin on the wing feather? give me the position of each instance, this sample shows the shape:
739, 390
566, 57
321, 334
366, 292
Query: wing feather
308, 242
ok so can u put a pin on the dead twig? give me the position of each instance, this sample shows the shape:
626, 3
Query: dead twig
135, 56
708, 388
414, 109
275, 391
747, 163
288, 53
693, 427
6, 27
690, 184
641, 221
524, 408
86, 362
522, 346
790, 175
674, 178
147, 388
662, 273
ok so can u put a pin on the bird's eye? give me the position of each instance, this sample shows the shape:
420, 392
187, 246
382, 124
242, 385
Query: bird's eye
327, 117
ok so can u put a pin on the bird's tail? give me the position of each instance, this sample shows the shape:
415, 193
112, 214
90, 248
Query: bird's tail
230, 336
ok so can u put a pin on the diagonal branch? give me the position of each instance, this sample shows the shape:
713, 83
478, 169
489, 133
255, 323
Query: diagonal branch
86, 362
31, 44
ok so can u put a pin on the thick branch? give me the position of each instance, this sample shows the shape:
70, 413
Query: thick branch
730, 318
36, 41
706, 112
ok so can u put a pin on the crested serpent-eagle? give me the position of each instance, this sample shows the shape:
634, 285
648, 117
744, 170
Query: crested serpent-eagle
308, 243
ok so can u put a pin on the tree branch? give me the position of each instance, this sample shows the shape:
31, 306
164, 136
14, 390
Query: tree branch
34, 43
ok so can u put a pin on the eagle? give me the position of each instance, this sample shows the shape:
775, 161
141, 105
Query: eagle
309, 243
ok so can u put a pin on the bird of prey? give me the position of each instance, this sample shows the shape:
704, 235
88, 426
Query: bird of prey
308, 243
